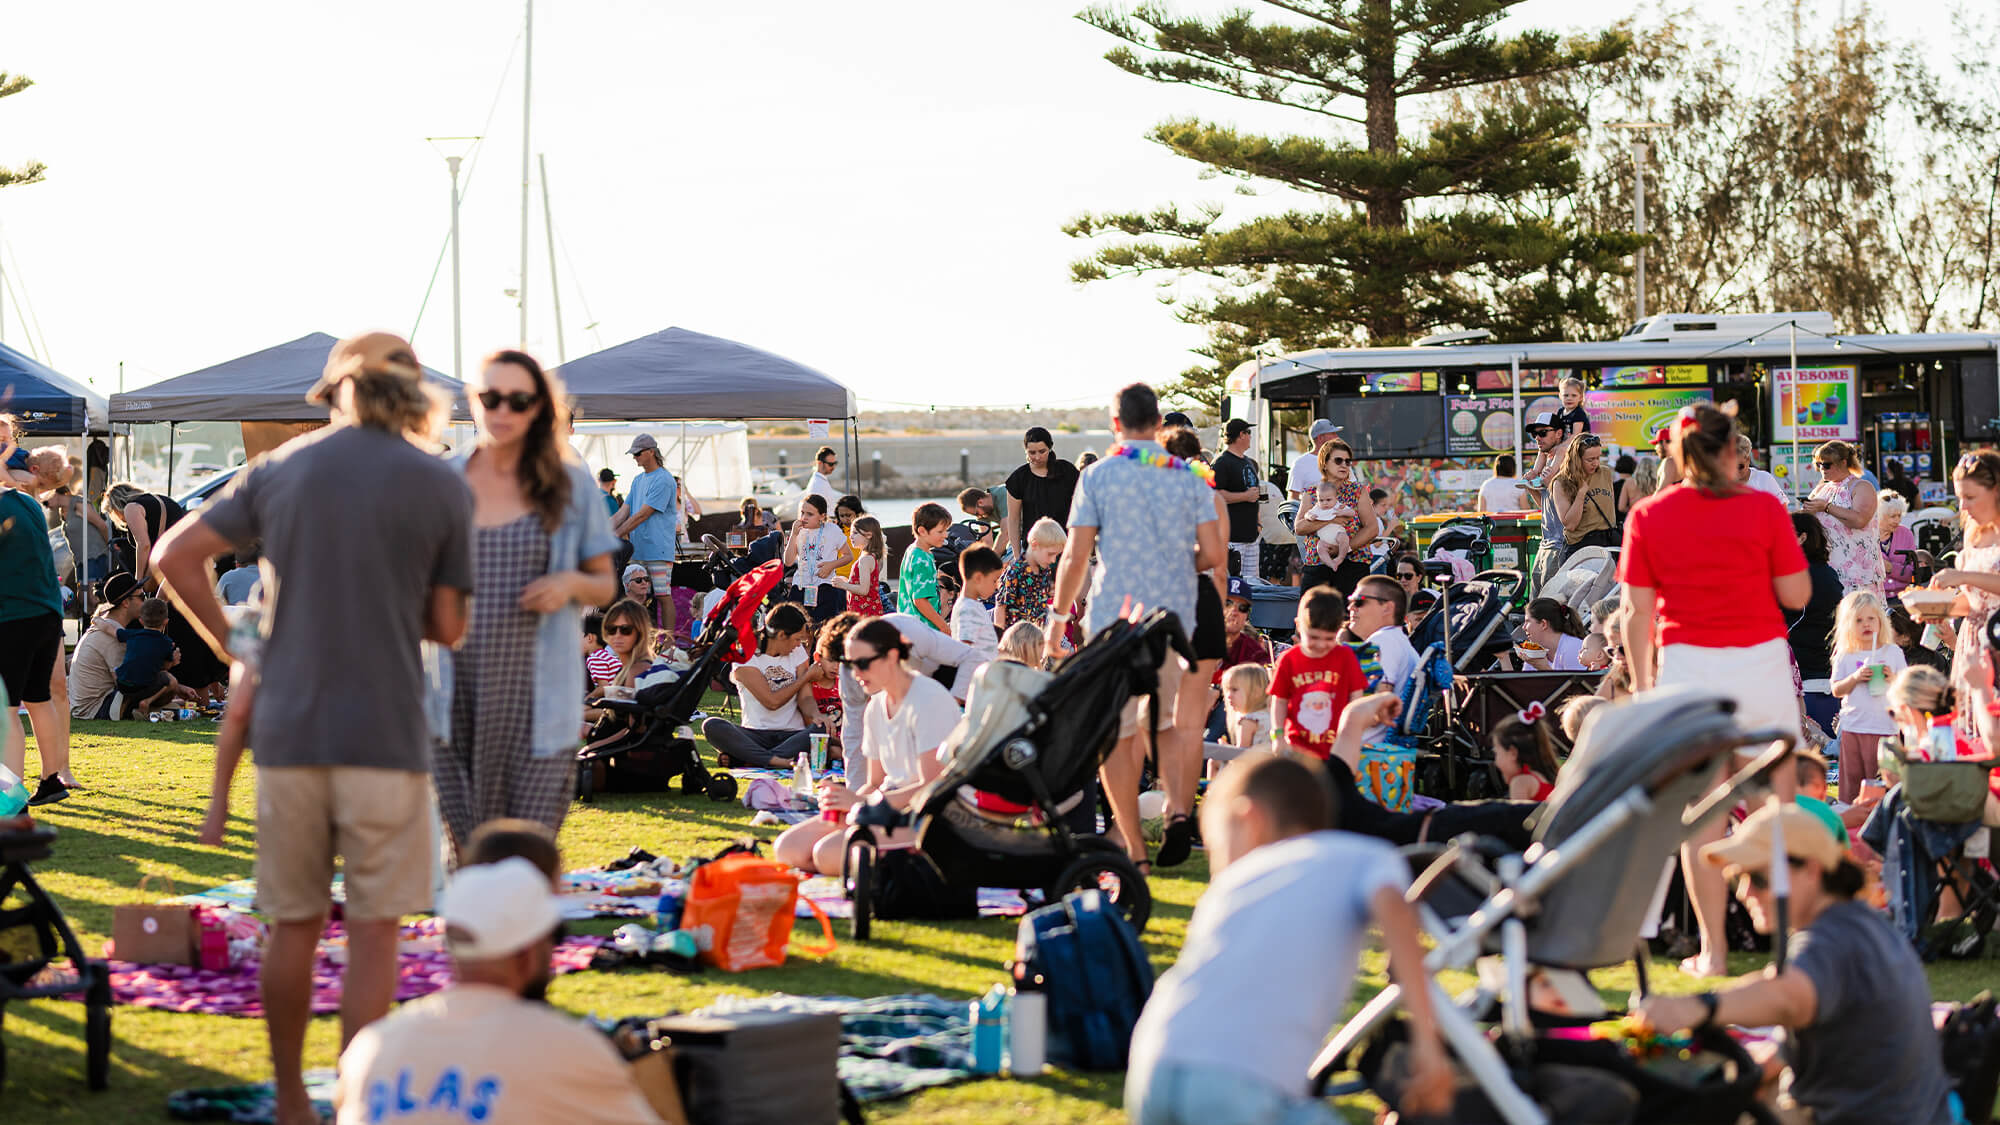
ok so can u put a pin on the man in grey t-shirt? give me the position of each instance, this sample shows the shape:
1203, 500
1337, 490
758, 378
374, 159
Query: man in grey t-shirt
366, 553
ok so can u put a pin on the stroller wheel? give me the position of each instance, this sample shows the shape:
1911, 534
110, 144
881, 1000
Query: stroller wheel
721, 787
1117, 876
860, 887
97, 1030
585, 791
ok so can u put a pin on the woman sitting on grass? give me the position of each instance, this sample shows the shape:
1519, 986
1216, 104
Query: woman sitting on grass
775, 687
909, 716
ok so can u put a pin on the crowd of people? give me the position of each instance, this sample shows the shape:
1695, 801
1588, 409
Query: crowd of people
463, 690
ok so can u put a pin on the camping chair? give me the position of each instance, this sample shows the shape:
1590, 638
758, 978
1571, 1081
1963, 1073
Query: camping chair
1576, 898
33, 934
1946, 802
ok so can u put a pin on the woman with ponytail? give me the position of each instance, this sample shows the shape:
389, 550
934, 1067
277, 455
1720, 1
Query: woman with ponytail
1709, 568
506, 704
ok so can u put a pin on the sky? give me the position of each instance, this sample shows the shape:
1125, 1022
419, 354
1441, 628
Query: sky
876, 190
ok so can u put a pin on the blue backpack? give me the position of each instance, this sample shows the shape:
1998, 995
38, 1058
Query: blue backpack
1094, 974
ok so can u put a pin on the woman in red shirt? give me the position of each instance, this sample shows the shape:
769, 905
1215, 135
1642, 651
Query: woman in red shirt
1709, 568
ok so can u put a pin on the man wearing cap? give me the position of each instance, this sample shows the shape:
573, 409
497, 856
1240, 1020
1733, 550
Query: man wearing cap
93, 669
1852, 997
1237, 484
607, 482
1549, 447
1246, 645
487, 1049
1305, 469
368, 543
651, 519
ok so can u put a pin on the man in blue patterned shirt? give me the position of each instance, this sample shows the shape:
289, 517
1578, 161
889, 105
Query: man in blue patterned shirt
1153, 528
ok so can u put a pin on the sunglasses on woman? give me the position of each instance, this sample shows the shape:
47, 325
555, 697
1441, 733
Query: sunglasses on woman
1762, 881
861, 663
520, 402
620, 631
1340, 460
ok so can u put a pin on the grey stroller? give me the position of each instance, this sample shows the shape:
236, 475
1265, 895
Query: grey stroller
1573, 902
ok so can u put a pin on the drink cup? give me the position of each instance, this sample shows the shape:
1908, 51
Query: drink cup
819, 753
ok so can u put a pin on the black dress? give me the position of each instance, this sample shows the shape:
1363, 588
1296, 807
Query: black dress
199, 666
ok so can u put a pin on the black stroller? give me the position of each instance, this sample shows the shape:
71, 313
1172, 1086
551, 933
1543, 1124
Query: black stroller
1034, 740
33, 934
1572, 902
635, 749
1477, 612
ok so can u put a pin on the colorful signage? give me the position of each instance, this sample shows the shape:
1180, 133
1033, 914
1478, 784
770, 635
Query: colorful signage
1478, 427
1502, 379
1814, 404
1628, 419
1393, 382
1654, 376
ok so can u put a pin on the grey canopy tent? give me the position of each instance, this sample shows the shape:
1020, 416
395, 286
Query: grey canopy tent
679, 374
265, 386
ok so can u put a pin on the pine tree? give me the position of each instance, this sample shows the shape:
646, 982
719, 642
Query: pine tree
1416, 228
28, 173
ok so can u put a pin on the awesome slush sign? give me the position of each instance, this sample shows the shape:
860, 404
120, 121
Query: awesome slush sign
1815, 404
1629, 419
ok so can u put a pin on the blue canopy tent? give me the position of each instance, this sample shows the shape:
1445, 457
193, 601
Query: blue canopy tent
265, 386
681, 375
47, 401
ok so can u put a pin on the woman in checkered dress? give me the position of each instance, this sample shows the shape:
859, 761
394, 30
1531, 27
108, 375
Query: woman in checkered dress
542, 547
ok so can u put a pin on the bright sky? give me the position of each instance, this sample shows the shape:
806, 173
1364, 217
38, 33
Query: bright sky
876, 191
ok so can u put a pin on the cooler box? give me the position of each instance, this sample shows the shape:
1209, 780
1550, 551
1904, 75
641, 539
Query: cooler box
757, 1068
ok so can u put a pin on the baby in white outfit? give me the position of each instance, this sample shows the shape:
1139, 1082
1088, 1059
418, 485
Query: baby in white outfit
1333, 537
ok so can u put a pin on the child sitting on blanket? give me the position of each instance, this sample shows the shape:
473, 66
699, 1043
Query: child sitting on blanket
1230, 1031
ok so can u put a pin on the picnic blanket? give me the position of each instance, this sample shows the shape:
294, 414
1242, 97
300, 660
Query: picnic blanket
255, 1103
421, 970
890, 1046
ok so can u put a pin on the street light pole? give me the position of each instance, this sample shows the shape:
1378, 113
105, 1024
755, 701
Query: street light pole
457, 344
1638, 130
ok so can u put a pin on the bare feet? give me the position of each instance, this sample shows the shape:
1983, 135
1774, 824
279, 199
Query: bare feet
1705, 966
296, 1109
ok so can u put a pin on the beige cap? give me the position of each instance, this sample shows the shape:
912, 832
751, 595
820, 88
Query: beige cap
378, 352
1750, 845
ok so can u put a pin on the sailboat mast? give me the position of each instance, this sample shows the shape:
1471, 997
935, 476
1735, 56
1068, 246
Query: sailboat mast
549, 228
527, 106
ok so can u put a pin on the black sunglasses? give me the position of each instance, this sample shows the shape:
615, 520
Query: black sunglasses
861, 663
620, 631
1363, 599
1340, 460
1588, 441
1762, 881
520, 402
647, 579
1406, 575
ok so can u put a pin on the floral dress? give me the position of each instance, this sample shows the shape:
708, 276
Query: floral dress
1855, 553
868, 603
1346, 494
1972, 629
1025, 591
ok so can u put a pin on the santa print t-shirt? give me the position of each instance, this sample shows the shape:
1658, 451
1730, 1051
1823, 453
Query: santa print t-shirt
1711, 560
1315, 693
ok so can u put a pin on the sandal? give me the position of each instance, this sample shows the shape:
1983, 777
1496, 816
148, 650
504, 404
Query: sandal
1177, 842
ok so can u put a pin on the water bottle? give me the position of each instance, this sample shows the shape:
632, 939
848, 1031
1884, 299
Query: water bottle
13, 794
989, 1030
802, 781
667, 912
1027, 1027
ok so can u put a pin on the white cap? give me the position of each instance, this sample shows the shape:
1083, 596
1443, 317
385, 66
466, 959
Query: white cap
493, 910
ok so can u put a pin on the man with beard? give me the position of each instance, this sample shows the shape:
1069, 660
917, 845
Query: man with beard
488, 1049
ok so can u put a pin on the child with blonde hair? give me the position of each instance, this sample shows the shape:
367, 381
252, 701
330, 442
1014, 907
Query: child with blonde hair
1022, 644
1865, 659
1571, 420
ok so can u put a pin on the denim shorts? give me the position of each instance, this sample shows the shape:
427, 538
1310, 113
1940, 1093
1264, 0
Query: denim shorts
1182, 1094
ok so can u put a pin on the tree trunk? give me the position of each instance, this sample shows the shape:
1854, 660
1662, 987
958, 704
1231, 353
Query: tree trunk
1384, 206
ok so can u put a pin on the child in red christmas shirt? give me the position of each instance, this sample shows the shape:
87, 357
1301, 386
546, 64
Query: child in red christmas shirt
1314, 681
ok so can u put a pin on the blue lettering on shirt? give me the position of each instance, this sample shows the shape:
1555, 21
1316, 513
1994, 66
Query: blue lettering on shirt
445, 1094
448, 1095
483, 1095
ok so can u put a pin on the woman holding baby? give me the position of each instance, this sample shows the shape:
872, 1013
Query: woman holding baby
1341, 503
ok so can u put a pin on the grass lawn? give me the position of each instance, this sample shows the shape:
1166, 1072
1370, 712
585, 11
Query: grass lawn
148, 788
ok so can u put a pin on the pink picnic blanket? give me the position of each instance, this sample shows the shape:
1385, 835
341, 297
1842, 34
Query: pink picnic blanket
178, 988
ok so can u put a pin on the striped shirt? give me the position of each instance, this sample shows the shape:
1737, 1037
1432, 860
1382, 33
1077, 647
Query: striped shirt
604, 666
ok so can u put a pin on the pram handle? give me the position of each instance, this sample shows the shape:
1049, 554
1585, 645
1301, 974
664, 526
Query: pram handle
1725, 797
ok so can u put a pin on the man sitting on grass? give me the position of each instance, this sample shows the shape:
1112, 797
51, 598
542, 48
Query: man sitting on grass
1231, 1029
486, 1049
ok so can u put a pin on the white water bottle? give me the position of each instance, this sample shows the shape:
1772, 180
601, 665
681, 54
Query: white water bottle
13, 793
802, 781
1027, 1031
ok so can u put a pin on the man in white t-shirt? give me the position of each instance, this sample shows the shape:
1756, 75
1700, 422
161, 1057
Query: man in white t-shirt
1748, 474
1502, 491
1375, 613
821, 484
1305, 467
1230, 1031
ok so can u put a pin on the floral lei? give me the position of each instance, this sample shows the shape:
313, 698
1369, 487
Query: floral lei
1160, 459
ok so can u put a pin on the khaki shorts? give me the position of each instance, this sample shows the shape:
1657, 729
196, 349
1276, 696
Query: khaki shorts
1171, 671
376, 820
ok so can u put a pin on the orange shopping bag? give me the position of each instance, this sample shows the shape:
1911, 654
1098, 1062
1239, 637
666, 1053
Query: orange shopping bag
740, 911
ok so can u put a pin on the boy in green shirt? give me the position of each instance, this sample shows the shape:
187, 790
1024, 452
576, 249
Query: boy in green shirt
917, 582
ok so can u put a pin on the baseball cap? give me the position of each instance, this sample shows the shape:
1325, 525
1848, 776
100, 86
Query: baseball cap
497, 909
118, 587
370, 353
1544, 421
643, 441
633, 570
1239, 589
1750, 845
1176, 418
1236, 428
1323, 428
606, 474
